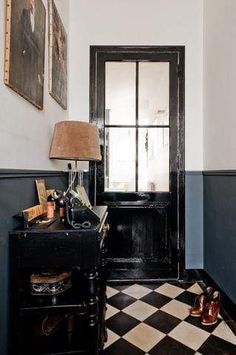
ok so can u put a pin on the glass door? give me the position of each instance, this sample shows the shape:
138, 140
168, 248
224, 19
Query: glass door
136, 100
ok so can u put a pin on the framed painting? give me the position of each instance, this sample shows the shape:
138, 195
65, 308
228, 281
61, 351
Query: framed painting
57, 56
25, 47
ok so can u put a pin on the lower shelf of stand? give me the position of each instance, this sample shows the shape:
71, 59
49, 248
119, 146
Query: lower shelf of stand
68, 301
66, 352
60, 352
55, 346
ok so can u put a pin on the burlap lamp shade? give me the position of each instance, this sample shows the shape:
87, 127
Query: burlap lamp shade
75, 140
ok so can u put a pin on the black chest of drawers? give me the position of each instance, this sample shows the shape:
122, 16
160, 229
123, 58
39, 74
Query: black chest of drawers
76, 318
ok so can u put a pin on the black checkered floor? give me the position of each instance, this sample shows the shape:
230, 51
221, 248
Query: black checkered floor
154, 319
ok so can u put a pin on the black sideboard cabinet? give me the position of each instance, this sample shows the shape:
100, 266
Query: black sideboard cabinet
79, 312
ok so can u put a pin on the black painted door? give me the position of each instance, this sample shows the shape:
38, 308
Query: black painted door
137, 101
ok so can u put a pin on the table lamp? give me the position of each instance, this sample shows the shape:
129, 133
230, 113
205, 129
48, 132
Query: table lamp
77, 141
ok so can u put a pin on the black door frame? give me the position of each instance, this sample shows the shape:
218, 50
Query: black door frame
100, 54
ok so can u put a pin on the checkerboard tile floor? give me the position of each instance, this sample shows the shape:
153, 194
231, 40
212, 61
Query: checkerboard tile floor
154, 319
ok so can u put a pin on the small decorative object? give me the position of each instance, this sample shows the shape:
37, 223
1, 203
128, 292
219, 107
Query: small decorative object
57, 56
25, 45
42, 193
30, 215
79, 216
73, 212
50, 207
59, 198
50, 284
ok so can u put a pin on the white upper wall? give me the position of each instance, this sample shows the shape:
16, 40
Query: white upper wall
219, 84
25, 131
141, 22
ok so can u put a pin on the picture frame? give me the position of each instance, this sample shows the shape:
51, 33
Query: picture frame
25, 49
42, 193
57, 56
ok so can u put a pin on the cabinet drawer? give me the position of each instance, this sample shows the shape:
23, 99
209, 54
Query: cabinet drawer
56, 250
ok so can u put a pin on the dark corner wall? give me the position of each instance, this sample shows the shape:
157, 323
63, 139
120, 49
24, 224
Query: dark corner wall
210, 226
220, 229
17, 192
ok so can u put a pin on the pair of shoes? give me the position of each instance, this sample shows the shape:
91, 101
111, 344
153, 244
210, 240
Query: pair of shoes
207, 306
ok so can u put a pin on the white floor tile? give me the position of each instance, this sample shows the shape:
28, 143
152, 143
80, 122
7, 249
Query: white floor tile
111, 292
169, 290
177, 309
112, 337
195, 289
140, 310
189, 335
144, 337
137, 291
111, 311
223, 331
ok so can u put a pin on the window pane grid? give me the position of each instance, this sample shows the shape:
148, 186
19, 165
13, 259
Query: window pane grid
149, 147
141, 152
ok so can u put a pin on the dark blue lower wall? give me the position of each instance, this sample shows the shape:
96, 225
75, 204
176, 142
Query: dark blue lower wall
220, 229
193, 220
17, 192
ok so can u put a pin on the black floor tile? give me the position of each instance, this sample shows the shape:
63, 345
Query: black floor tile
156, 299
184, 285
197, 322
171, 347
202, 285
187, 297
216, 346
162, 321
122, 347
121, 323
121, 300
120, 287
153, 286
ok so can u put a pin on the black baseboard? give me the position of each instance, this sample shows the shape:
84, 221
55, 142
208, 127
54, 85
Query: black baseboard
126, 276
191, 275
228, 309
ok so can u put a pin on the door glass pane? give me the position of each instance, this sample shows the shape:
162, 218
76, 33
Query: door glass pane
119, 159
154, 93
120, 93
153, 159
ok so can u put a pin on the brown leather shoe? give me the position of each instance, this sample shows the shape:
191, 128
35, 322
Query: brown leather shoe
211, 311
200, 302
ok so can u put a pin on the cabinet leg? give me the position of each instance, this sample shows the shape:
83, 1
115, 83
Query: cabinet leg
93, 311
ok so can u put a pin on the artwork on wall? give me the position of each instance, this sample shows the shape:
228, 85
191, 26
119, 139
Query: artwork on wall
25, 46
57, 56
